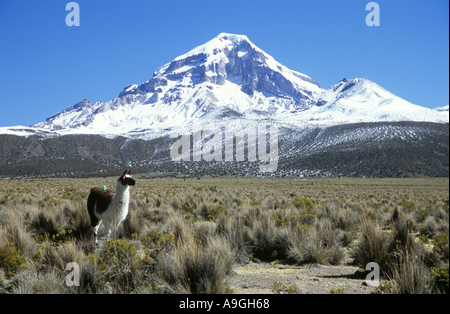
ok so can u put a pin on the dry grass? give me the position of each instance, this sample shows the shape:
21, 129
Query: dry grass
185, 235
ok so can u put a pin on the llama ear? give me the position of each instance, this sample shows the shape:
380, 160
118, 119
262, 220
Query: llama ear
129, 172
124, 174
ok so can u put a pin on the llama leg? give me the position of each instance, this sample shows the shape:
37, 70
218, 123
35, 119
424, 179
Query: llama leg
96, 231
108, 229
117, 228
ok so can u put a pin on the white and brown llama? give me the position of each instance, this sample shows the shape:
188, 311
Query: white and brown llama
109, 206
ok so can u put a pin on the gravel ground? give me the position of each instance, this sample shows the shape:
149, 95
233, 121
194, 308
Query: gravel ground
258, 278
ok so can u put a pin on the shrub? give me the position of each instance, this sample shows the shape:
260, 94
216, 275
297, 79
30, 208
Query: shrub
440, 280
10, 259
157, 240
408, 206
278, 287
216, 211
188, 208
304, 203
120, 264
293, 289
337, 291
283, 220
441, 246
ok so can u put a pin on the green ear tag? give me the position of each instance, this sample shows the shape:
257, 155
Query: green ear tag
104, 187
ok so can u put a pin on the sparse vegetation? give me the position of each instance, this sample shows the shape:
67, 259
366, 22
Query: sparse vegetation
186, 235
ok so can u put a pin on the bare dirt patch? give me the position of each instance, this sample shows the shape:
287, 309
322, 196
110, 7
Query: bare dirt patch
258, 278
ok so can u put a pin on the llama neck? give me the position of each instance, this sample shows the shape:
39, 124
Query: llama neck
122, 193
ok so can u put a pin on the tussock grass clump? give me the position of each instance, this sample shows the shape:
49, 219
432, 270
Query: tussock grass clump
35, 280
409, 276
134, 225
237, 234
372, 246
193, 268
178, 226
321, 244
264, 237
91, 279
311, 249
15, 231
47, 225
79, 225
429, 227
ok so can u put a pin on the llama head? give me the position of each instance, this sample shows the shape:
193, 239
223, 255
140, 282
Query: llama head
126, 178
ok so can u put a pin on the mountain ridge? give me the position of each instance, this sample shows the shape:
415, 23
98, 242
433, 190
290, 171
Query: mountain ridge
376, 149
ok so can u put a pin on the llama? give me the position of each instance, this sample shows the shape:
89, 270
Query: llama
109, 206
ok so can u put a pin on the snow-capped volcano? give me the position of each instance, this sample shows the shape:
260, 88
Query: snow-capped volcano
231, 75
228, 71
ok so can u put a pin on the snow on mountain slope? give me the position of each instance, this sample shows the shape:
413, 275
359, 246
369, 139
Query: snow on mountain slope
228, 71
361, 100
230, 76
26, 131
442, 109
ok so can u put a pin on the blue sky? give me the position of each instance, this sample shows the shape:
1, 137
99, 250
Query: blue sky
46, 66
